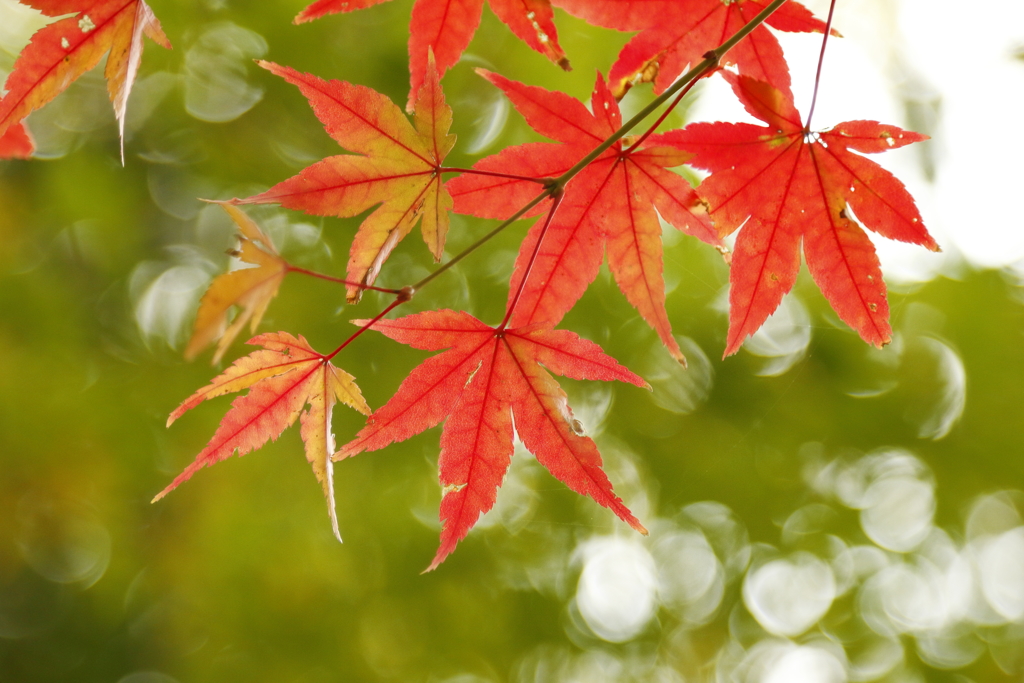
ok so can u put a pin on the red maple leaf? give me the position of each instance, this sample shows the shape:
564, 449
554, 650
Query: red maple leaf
282, 378
786, 185
62, 51
609, 206
446, 27
674, 35
396, 166
488, 377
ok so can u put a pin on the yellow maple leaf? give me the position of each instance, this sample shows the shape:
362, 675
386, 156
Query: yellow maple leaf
251, 289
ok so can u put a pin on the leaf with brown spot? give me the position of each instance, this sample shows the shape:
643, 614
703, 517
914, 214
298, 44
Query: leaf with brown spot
445, 28
62, 51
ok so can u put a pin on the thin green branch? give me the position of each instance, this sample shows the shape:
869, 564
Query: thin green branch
339, 280
711, 59
483, 240
493, 174
664, 115
533, 259
821, 60
400, 299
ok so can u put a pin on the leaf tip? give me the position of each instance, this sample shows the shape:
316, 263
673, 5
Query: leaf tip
342, 453
735, 338
332, 513
442, 554
272, 67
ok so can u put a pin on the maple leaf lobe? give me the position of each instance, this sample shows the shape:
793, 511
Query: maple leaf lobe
674, 36
17, 143
444, 28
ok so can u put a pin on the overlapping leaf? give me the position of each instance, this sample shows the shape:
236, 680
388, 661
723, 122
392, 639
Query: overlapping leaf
446, 27
282, 378
787, 186
16, 143
251, 289
674, 35
610, 206
395, 166
486, 378
62, 51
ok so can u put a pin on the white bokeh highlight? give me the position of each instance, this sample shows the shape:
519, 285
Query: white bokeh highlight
617, 587
788, 596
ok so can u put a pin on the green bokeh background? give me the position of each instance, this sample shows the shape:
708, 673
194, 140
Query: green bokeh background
236, 576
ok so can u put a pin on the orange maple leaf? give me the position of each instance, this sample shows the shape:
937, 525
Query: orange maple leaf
250, 288
282, 378
62, 51
395, 165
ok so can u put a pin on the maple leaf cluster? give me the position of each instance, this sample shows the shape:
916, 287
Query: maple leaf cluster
597, 191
